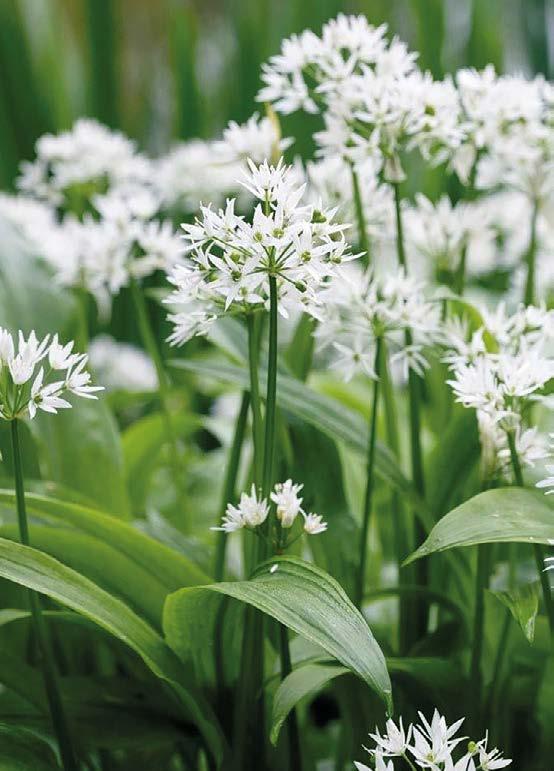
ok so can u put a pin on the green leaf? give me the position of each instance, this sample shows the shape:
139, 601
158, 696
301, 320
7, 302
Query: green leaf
22, 750
309, 679
103, 564
328, 416
142, 442
35, 570
523, 604
303, 598
171, 568
302, 682
509, 514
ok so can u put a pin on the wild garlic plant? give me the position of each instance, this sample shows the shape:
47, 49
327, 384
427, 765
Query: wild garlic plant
41, 375
431, 744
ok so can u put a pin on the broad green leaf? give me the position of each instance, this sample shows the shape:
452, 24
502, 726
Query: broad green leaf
309, 679
142, 442
81, 446
22, 750
172, 569
35, 570
103, 564
331, 418
303, 598
509, 514
523, 604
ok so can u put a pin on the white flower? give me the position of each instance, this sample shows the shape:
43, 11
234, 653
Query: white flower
17, 398
395, 741
548, 481
250, 512
258, 140
314, 524
121, 365
433, 741
289, 505
231, 259
490, 760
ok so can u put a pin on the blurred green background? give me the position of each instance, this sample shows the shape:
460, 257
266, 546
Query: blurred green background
167, 69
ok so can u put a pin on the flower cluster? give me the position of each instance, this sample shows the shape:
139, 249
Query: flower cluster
37, 375
375, 101
359, 308
198, 171
252, 511
121, 365
431, 745
499, 370
232, 259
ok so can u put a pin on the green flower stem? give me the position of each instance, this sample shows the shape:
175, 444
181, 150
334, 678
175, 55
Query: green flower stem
537, 548
295, 751
360, 583
271, 397
530, 259
497, 668
481, 583
363, 239
460, 275
40, 629
400, 249
415, 424
254, 332
83, 303
403, 537
151, 346
230, 481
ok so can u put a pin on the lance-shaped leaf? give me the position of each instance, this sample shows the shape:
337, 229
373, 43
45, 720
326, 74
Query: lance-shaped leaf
302, 597
509, 514
40, 572
523, 604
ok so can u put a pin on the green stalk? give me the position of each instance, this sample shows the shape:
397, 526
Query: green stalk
537, 548
497, 668
415, 424
530, 259
151, 346
229, 484
40, 629
359, 593
360, 215
271, 397
295, 751
460, 276
254, 331
475, 671
403, 536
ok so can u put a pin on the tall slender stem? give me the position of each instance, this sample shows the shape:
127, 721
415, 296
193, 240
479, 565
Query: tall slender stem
475, 671
229, 483
360, 216
537, 549
271, 396
48, 664
531, 258
295, 751
400, 249
403, 533
254, 330
370, 479
151, 345
415, 421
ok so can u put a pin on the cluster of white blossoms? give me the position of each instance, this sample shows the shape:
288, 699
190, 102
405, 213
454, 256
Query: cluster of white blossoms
252, 511
508, 124
501, 370
359, 308
375, 101
121, 366
37, 375
431, 745
231, 258
198, 171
